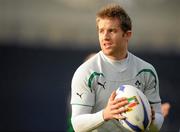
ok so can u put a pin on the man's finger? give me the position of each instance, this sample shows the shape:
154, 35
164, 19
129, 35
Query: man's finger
113, 95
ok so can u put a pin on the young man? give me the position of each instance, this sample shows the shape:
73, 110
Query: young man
94, 107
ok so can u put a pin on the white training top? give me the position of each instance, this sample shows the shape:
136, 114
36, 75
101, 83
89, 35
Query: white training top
94, 81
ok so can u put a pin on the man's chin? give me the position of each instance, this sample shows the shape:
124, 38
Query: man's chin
107, 52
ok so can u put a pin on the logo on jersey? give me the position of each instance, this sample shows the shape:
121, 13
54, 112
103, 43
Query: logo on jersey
102, 85
80, 95
92, 77
138, 84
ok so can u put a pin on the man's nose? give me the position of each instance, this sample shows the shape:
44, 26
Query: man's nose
106, 36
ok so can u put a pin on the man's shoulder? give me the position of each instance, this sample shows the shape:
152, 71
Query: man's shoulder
91, 62
141, 62
89, 65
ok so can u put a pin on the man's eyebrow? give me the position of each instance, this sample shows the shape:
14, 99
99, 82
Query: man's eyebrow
116, 27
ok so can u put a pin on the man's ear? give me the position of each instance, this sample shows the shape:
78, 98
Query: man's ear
128, 34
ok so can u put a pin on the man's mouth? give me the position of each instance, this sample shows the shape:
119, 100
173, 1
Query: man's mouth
107, 45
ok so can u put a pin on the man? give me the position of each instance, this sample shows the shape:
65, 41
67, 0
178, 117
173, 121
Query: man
94, 107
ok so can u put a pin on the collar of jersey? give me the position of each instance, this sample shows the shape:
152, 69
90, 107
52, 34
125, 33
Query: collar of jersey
119, 65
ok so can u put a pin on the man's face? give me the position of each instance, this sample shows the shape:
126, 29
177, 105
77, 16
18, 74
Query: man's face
113, 41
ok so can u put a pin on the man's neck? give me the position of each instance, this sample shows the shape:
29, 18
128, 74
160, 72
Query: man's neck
120, 56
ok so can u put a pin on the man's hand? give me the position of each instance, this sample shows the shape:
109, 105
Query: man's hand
115, 107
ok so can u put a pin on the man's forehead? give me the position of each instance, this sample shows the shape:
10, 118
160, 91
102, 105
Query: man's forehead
111, 25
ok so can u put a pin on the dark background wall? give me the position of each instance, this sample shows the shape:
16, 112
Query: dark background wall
35, 86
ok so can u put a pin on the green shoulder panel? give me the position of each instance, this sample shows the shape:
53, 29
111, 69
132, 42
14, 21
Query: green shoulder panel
92, 76
151, 72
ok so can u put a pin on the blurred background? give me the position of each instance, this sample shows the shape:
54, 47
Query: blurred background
42, 42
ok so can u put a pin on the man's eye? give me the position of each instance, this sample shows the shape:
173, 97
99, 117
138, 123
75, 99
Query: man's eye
100, 31
111, 30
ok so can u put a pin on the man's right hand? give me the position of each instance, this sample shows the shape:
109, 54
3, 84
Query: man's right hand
115, 108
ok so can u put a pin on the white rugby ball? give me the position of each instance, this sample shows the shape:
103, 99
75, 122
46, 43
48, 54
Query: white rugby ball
138, 117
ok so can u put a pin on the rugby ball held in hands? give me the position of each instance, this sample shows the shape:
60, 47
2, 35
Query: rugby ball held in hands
138, 116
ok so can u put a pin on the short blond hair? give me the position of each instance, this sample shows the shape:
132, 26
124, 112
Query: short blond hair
115, 11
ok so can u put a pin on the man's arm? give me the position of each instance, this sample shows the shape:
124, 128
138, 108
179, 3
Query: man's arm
152, 93
158, 121
83, 120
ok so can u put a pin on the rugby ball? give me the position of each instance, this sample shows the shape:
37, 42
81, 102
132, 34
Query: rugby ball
138, 116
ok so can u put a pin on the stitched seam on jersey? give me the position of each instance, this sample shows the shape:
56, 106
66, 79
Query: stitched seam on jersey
90, 80
150, 71
82, 105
